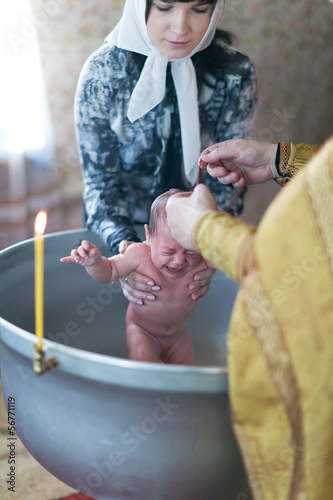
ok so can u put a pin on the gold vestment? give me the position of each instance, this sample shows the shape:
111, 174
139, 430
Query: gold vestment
280, 340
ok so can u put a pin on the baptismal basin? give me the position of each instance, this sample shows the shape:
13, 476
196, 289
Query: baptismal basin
113, 428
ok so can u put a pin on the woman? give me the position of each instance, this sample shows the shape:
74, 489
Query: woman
165, 81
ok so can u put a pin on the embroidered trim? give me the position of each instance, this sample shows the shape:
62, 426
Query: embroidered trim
293, 158
262, 318
320, 188
285, 152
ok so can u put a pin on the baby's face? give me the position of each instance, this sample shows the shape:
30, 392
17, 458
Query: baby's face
171, 259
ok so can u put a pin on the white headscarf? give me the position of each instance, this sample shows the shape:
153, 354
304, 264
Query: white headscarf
131, 34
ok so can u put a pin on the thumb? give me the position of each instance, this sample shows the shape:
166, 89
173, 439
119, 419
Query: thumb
203, 198
217, 153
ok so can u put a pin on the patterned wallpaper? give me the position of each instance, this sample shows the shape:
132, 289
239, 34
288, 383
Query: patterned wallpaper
68, 31
291, 46
289, 41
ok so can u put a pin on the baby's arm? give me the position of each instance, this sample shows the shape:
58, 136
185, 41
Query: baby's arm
101, 268
90, 257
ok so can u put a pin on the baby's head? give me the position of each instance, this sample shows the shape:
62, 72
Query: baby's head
172, 260
158, 210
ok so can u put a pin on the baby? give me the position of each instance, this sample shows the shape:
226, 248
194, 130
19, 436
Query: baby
157, 329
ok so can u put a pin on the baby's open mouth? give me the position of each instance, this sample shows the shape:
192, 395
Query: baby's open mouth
175, 270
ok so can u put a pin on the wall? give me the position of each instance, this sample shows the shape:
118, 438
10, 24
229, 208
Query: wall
68, 31
291, 46
289, 42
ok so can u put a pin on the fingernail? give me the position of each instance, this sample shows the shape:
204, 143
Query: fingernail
139, 302
194, 296
156, 288
150, 283
150, 297
198, 278
193, 287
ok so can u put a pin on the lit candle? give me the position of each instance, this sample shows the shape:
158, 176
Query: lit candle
40, 224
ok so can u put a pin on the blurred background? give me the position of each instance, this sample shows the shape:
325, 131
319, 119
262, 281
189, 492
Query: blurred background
44, 44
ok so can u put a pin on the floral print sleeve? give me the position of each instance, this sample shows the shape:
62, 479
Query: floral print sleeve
231, 115
104, 192
127, 165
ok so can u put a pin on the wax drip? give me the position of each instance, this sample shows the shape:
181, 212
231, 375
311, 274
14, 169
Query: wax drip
239, 192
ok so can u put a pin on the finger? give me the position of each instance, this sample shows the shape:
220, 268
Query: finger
130, 297
86, 245
142, 282
239, 184
196, 285
123, 246
138, 290
93, 253
208, 272
202, 280
218, 152
229, 178
210, 149
136, 296
68, 258
75, 255
232, 177
215, 170
203, 198
202, 165
80, 252
213, 157
202, 292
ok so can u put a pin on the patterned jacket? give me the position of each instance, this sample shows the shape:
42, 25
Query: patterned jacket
127, 165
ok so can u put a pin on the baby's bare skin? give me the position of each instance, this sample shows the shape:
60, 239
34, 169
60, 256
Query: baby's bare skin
174, 305
157, 329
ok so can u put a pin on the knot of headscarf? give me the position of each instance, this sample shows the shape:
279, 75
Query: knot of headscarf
131, 34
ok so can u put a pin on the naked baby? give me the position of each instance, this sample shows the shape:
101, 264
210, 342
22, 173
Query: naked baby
155, 330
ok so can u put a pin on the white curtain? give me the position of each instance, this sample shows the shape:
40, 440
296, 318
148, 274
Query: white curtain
28, 180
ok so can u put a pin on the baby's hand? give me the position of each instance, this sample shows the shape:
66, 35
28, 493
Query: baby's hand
86, 254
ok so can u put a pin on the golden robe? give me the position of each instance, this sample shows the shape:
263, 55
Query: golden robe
280, 341
293, 158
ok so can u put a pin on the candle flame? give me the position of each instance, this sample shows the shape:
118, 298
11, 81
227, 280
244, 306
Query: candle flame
40, 223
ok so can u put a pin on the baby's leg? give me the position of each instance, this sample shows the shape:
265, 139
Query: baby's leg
140, 345
181, 351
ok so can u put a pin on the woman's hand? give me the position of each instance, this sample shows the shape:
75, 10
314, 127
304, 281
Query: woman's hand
136, 286
201, 284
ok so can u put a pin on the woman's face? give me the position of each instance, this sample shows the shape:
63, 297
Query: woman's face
176, 28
